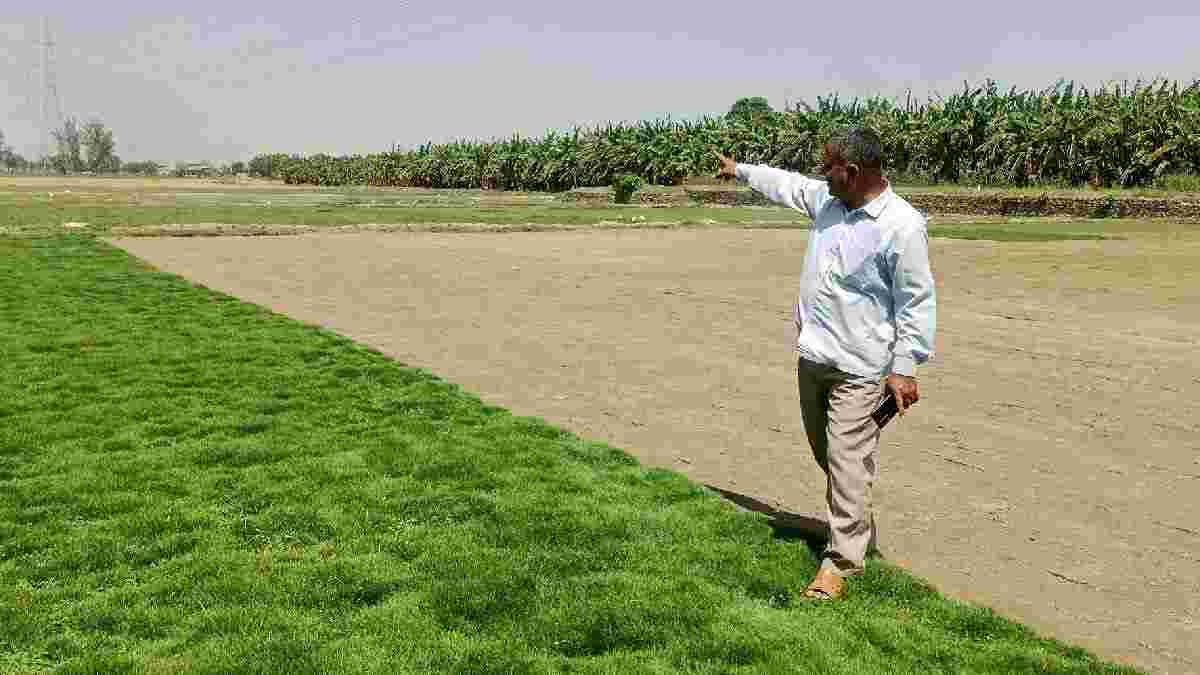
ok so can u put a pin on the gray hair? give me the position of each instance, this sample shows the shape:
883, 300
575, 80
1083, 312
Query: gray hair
859, 145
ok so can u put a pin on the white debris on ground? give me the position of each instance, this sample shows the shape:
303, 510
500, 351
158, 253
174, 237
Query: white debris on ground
75, 226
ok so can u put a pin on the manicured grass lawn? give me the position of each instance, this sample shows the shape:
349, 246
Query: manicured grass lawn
999, 233
192, 484
1054, 229
36, 214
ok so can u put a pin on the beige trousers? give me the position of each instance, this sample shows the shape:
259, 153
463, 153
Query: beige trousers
836, 409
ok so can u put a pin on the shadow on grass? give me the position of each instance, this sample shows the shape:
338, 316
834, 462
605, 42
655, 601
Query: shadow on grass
814, 532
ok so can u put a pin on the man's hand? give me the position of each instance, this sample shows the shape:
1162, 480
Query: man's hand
905, 390
728, 167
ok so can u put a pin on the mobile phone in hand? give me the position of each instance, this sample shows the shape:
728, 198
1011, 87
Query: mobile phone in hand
886, 410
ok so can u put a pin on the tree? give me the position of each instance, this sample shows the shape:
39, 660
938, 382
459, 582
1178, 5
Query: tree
14, 162
237, 167
267, 166
70, 154
146, 168
9, 159
750, 107
98, 141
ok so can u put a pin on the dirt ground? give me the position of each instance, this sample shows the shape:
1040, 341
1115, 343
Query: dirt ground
1051, 470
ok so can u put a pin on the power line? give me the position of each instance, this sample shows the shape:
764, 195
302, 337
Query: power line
52, 115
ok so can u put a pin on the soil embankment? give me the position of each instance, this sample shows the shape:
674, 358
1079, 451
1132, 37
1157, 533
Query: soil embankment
1081, 205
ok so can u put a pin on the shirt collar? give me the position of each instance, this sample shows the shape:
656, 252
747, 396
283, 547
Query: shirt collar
876, 206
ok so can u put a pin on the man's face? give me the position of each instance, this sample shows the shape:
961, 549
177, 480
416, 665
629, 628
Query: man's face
838, 174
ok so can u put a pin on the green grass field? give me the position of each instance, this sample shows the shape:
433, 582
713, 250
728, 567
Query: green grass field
27, 213
189, 483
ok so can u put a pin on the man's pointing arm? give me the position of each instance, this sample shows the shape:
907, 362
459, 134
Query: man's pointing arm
793, 190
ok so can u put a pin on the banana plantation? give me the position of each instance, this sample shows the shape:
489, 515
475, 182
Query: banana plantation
1118, 135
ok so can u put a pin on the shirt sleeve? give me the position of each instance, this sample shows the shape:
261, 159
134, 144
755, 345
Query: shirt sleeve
914, 303
793, 190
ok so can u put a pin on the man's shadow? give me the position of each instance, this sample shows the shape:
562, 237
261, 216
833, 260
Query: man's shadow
814, 532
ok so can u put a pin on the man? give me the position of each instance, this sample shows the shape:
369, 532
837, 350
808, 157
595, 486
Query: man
865, 316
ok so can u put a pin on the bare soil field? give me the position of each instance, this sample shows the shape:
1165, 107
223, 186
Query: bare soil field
1051, 470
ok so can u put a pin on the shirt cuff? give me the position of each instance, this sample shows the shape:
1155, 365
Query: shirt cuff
904, 365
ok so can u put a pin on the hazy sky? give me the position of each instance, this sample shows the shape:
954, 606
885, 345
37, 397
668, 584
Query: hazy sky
224, 80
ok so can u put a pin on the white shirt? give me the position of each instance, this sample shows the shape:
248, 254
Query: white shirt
867, 304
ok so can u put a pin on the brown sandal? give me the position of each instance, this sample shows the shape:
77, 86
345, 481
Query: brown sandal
826, 586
